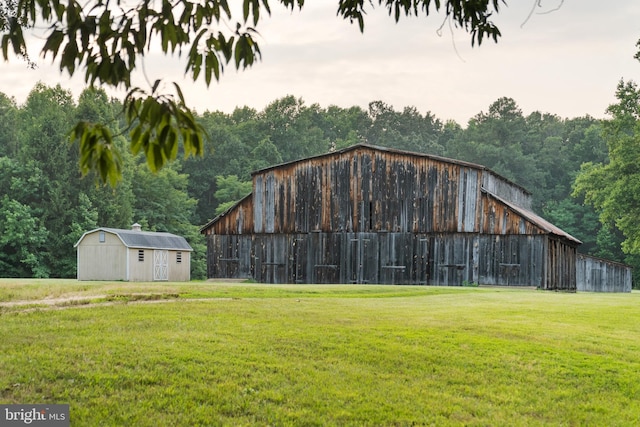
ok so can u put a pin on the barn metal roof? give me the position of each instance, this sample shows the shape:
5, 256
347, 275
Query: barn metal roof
145, 239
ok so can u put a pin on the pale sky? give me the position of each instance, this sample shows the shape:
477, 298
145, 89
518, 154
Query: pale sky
566, 62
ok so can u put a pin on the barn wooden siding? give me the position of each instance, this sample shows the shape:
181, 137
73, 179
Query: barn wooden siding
372, 191
600, 275
391, 258
370, 215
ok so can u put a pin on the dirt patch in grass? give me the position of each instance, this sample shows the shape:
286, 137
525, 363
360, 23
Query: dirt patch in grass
86, 301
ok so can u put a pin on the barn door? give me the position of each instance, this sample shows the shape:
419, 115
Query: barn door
362, 259
160, 265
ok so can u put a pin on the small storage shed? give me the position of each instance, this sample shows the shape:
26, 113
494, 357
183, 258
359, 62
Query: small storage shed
133, 255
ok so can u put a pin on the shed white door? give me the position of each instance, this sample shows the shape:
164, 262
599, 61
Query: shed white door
160, 265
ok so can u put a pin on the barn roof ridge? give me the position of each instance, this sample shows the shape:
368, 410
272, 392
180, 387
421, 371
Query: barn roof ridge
145, 239
395, 151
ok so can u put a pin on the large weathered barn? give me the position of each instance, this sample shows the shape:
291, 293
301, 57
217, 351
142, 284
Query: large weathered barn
367, 214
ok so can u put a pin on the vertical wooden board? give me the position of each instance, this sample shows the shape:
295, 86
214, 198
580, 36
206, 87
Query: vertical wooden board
282, 250
214, 249
281, 225
314, 194
462, 195
467, 199
327, 263
355, 193
365, 217
258, 204
370, 258
298, 259
299, 202
258, 257
244, 256
420, 267
353, 258
433, 200
335, 252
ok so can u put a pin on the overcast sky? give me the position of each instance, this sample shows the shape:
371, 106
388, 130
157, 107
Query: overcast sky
566, 62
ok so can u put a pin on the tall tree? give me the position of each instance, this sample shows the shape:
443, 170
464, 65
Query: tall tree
293, 128
23, 241
114, 205
45, 122
162, 203
406, 130
8, 126
613, 188
230, 190
494, 139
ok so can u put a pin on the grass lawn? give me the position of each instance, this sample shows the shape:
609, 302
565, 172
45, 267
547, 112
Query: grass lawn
247, 354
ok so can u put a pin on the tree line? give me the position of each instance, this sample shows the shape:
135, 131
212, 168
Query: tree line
46, 204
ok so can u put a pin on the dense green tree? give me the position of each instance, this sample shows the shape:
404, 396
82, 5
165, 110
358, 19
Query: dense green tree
46, 118
23, 241
230, 191
406, 130
114, 205
108, 44
162, 203
293, 128
8, 126
613, 188
264, 155
345, 127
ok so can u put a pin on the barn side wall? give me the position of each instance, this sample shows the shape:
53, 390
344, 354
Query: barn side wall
392, 258
599, 275
560, 266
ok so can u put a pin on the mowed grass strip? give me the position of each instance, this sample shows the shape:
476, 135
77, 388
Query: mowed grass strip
350, 355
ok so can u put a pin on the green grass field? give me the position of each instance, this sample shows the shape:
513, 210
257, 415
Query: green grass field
246, 354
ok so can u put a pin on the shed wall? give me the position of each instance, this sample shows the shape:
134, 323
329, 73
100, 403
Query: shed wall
599, 275
179, 271
101, 260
